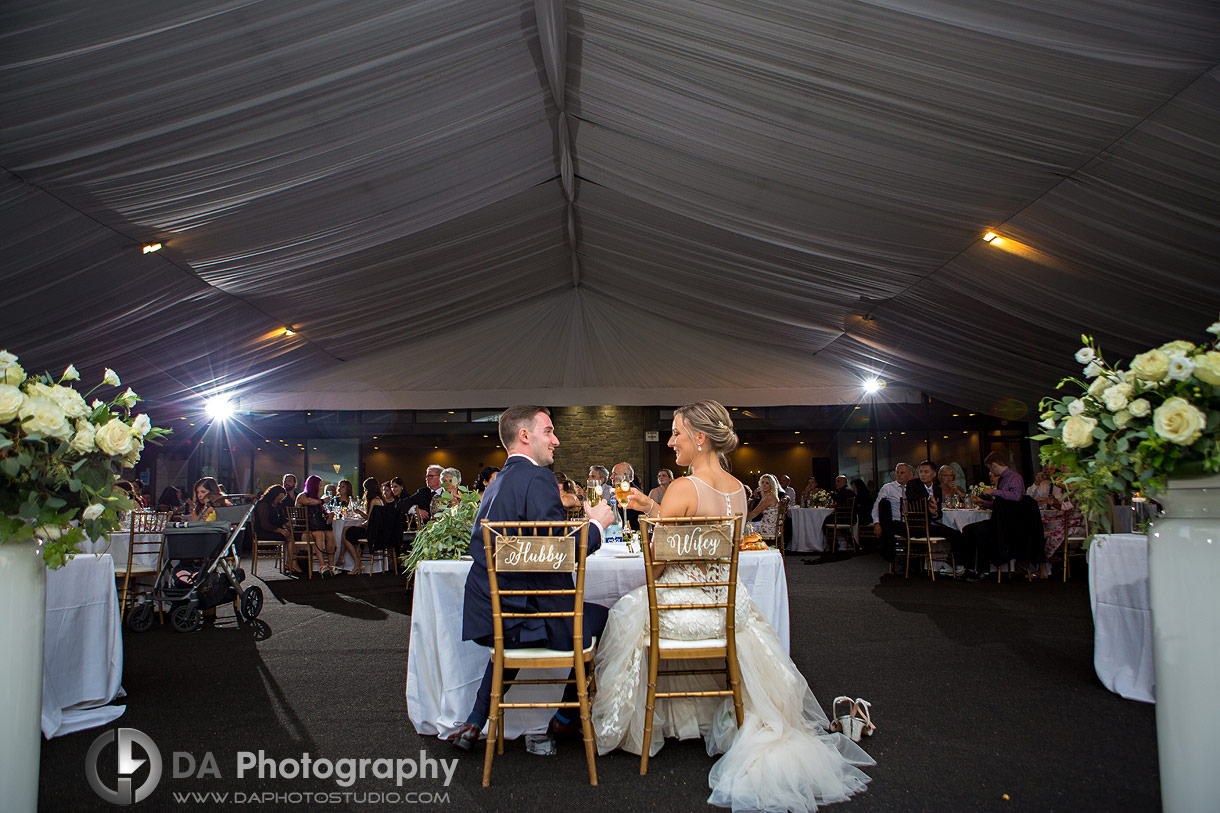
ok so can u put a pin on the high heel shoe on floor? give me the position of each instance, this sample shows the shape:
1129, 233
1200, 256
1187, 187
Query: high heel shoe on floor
843, 710
862, 710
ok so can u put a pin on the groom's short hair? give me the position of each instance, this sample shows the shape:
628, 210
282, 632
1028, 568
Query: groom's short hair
514, 419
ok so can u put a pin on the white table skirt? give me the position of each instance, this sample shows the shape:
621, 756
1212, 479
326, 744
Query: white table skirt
807, 534
117, 544
83, 657
343, 560
1122, 618
444, 672
961, 517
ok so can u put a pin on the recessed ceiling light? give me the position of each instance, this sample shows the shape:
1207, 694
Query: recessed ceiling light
989, 236
149, 248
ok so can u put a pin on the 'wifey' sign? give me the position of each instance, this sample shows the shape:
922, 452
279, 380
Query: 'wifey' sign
556, 554
675, 543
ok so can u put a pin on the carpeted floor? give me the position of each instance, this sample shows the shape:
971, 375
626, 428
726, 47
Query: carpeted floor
984, 697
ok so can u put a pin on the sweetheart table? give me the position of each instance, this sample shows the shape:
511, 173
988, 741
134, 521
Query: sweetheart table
444, 672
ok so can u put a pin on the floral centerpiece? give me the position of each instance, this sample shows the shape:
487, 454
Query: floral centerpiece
447, 534
1132, 429
979, 490
821, 499
60, 457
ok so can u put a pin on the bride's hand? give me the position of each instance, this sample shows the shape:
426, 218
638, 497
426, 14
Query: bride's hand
639, 501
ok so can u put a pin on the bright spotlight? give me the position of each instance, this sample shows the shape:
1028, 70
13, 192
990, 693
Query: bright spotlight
872, 386
219, 407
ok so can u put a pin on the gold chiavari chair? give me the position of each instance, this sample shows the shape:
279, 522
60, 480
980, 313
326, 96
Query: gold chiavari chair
1070, 539
298, 523
146, 540
841, 523
531, 547
708, 541
919, 535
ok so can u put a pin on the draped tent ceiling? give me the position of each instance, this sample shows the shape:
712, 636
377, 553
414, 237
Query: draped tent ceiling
464, 204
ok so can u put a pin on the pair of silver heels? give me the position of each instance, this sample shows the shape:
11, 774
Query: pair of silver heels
852, 717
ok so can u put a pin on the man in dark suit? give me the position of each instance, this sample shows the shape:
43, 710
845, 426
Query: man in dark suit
926, 486
422, 499
524, 491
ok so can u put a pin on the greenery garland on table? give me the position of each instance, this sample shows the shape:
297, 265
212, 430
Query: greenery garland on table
447, 534
60, 458
1132, 429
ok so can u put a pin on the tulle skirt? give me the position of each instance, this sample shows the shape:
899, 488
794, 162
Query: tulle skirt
782, 758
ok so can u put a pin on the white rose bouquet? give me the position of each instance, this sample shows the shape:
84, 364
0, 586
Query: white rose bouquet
1130, 430
822, 499
60, 458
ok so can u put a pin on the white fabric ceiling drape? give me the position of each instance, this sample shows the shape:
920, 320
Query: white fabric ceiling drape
469, 204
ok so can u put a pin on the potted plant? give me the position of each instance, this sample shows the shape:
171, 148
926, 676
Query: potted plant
59, 459
1153, 427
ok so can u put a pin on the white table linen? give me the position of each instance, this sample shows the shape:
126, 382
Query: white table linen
83, 655
1122, 616
807, 534
117, 544
444, 672
961, 517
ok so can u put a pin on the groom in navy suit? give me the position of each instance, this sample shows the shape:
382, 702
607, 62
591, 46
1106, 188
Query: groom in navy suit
524, 491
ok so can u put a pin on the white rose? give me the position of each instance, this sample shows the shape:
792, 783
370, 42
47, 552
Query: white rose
44, 416
1048, 424
11, 400
1179, 421
1139, 408
70, 401
111, 378
82, 441
1098, 386
141, 425
1122, 418
97, 402
1116, 397
70, 374
1180, 368
1076, 407
13, 375
48, 532
7, 359
1085, 354
133, 457
1078, 432
1176, 348
1150, 366
1207, 368
1215, 328
114, 438
1093, 369
92, 512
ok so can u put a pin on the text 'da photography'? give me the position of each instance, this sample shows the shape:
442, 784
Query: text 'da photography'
125, 767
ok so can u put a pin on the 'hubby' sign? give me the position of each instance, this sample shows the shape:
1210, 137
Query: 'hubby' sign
534, 553
692, 542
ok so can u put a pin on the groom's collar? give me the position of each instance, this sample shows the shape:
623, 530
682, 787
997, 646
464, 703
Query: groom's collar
522, 455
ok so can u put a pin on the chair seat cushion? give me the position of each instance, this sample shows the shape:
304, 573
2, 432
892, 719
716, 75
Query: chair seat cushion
702, 643
542, 652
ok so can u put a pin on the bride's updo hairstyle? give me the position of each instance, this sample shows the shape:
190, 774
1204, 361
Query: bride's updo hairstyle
713, 420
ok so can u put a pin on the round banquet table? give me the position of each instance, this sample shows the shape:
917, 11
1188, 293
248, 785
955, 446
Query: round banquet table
807, 533
961, 517
444, 672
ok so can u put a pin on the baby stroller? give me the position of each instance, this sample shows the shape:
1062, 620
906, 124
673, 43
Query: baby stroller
196, 575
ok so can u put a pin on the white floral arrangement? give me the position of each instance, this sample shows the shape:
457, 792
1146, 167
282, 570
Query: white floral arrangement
979, 490
821, 499
1131, 430
60, 458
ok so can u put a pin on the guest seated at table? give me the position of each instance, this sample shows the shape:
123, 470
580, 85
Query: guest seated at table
170, 502
289, 482
207, 499
137, 493
1012, 532
625, 472
1045, 492
354, 534
786, 489
319, 524
864, 502
949, 488
343, 493
328, 493
664, 478
271, 521
843, 493
567, 494
764, 517
927, 487
421, 500
887, 511
485, 477
811, 488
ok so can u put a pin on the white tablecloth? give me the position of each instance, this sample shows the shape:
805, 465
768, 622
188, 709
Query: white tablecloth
444, 672
116, 545
1122, 619
961, 517
83, 657
807, 535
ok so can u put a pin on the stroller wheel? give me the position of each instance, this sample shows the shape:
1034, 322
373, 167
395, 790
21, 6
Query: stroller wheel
251, 602
140, 619
187, 618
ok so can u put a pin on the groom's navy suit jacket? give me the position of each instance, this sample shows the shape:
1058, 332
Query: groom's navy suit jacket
521, 491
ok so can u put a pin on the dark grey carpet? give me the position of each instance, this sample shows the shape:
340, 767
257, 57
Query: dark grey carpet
979, 691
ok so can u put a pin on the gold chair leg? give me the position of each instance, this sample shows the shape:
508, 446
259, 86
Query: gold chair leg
586, 727
931, 563
649, 704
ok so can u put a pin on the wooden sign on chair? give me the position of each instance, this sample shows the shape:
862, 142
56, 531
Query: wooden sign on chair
679, 542
556, 554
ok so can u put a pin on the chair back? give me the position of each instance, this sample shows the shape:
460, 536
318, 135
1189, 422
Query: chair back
146, 536
298, 519
576, 513
916, 518
845, 513
691, 540
536, 547
780, 517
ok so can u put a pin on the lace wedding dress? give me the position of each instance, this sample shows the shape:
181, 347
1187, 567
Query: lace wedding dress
782, 758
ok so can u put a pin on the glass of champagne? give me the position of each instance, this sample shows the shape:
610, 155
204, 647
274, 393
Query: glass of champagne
593, 492
622, 489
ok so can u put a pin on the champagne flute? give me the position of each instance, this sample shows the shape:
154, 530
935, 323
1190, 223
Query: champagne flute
622, 490
593, 493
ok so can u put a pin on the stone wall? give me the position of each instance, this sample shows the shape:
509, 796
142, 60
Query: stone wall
601, 435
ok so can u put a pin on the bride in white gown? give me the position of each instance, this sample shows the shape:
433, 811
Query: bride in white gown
782, 758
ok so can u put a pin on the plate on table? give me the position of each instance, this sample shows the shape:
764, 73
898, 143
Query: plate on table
628, 555
467, 558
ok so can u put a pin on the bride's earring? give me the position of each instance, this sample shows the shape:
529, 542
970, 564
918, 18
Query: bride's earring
699, 447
